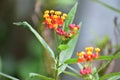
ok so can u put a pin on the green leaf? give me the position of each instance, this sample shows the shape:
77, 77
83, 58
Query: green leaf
65, 2
63, 47
114, 78
8, 76
40, 76
96, 76
66, 54
109, 57
41, 40
71, 61
72, 74
103, 66
70, 17
74, 60
110, 76
107, 6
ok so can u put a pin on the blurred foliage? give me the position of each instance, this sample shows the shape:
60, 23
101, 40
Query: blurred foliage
108, 47
107, 6
57, 3
2, 31
34, 62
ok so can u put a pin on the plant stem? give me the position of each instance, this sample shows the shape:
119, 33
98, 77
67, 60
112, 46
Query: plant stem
69, 67
56, 73
57, 56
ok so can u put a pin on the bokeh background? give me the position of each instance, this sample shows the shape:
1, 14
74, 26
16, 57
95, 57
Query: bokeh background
20, 51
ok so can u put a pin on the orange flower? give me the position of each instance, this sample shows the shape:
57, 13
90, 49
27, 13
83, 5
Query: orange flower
53, 19
88, 55
81, 57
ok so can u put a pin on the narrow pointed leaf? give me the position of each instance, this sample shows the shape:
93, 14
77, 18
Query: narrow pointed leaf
96, 76
41, 40
114, 77
74, 60
70, 17
109, 57
67, 54
103, 66
109, 75
40, 76
71, 61
63, 47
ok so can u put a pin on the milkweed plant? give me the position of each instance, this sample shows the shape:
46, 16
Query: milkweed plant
66, 35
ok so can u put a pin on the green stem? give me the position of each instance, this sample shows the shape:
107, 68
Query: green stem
56, 73
7, 76
72, 74
72, 69
57, 56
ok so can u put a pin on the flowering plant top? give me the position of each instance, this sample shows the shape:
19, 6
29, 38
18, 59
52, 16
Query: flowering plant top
66, 37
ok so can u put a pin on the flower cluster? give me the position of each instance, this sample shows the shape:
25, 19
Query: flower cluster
55, 20
88, 55
72, 30
85, 71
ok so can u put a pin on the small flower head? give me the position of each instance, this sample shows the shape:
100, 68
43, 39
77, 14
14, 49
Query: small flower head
97, 50
88, 55
85, 71
58, 13
60, 31
53, 19
81, 57
52, 11
74, 28
64, 14
46, 12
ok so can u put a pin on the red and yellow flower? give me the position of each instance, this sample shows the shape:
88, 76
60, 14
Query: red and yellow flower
88, 55
85, 71
53, 19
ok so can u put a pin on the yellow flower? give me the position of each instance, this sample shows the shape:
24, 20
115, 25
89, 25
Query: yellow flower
58, 12
52, 11
47, 11
97, 50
